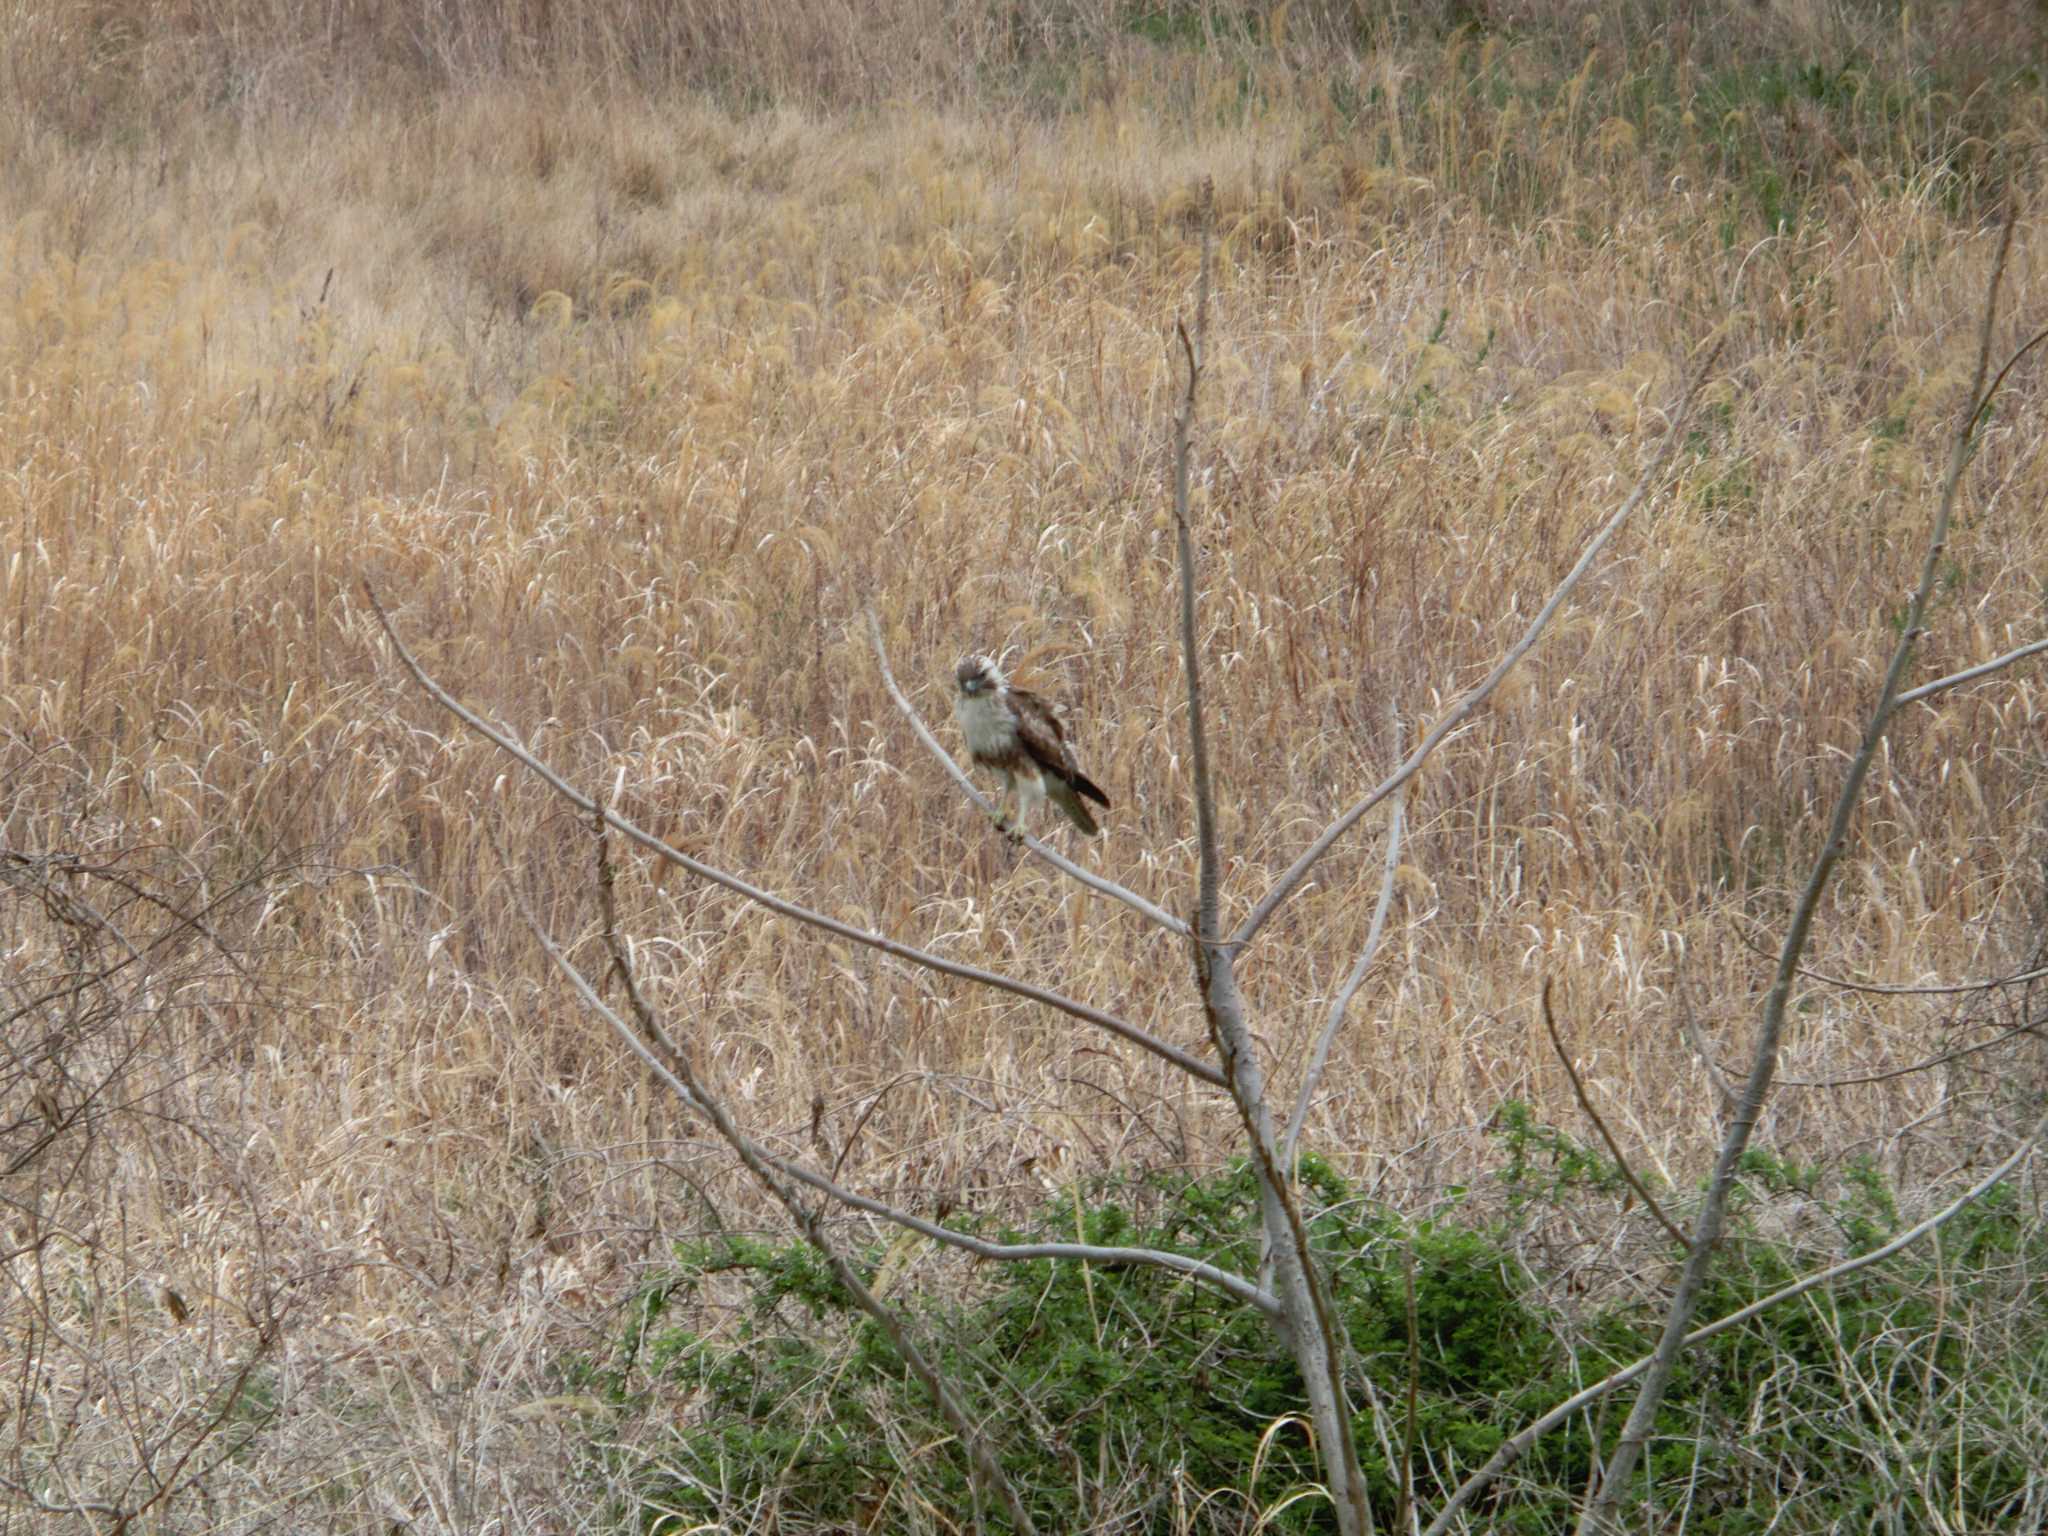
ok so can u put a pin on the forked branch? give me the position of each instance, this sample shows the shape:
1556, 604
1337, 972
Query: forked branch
1600, 1513
1290, 881
1308, 1321
658, 1050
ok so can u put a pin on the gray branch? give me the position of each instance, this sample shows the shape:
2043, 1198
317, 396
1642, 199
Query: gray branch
1342, 1001
1600, 1513
1930, 989
1971, 674
1232, 1285
1463, 710
1308, 1321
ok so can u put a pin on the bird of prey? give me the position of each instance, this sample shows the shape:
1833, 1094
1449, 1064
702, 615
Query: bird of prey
1017, 734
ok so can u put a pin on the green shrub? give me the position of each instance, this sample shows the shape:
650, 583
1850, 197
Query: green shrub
1121, 1396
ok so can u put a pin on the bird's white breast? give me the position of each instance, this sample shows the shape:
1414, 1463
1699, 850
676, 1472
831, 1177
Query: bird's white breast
986, 723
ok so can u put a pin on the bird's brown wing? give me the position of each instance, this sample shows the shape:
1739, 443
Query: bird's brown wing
1038, 729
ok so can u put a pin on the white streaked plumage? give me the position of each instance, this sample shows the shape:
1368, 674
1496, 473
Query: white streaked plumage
1016, 733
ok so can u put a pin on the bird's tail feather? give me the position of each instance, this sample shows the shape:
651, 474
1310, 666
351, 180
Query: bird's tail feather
1086, 786
1064, 796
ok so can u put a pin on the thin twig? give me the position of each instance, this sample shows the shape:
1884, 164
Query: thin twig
1209, 881
1288, 882
1585, 1099
1991, 392
1971, 674
2032, 1026
1886, 989
1513, 1449
1932, 990
1058, 861
1690, 1029
42, 1505
1341, 1003
1192, 1065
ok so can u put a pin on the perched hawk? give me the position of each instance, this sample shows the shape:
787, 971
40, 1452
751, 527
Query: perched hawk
1017, 734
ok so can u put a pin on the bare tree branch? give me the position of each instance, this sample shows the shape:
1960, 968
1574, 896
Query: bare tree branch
1585, 1099
1896, 989
1192, 1065
986, 1470
44, 1506
1288, 882
657, 1044
1991, 393
1513, 1449
1600, 1513
1058, 861
1308, 1321
1948, 989
1688, 1027
2032, 1026
1209, 880
1971, 674
1339, 1004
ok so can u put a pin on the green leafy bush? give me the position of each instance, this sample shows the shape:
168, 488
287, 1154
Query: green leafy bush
1122, 1397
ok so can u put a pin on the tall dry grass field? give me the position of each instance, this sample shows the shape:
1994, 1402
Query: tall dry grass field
629, 393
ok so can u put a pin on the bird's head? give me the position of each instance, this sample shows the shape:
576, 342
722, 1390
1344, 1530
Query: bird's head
978, 675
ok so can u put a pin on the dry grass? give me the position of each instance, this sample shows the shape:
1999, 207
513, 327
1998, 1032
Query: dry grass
629, 402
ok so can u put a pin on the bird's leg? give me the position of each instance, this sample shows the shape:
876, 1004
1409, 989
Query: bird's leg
1004, 819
